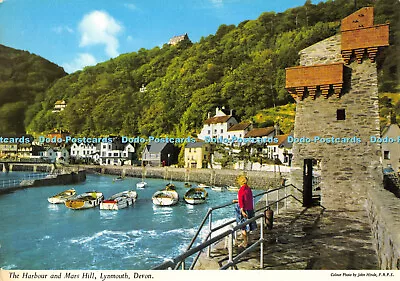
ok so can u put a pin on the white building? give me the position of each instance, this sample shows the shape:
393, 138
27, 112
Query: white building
55, 154
280, 150
238, 132
86, 152
59, 106
218, 125
115, 153
104, 153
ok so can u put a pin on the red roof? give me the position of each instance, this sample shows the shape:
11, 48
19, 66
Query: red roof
260, 132
239, 127
281, 139
217, 119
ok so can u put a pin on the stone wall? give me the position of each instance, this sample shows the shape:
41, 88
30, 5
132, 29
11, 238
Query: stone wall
62, 179
384, 213
258, 180
346, 168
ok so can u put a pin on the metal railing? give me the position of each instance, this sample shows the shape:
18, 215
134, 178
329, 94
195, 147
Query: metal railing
179, 261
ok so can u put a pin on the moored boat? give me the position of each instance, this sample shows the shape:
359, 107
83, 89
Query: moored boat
120, 178
119, 200
232, 188
195, 195
187, 185
167, 197
218, 188
85, 200
141, 184
62, 196
203, 185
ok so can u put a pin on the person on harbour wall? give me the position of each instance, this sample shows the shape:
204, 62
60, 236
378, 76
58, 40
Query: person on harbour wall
245, 208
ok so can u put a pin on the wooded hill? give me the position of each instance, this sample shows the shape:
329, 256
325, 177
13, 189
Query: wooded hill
24, 78
240, 67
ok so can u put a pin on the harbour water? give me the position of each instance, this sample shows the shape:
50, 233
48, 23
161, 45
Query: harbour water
38, 235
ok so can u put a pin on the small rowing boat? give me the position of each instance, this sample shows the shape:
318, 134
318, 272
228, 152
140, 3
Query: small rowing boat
195, 195
62, 196
85, 200
119, 200
166, 197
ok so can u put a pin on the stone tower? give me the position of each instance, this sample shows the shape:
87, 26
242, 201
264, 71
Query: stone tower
337, 112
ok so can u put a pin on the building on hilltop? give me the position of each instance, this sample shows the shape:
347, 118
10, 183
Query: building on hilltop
59, 106
176, 39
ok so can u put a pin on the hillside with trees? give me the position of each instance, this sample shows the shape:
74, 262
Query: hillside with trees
24, 78
240, 67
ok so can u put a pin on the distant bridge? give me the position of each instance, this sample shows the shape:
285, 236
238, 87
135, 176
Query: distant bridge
6, 166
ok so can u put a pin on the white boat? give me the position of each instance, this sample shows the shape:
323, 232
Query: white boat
85, 200
232, 188
62, 196
195, 195
202, 185
119, 200
167, 197
141, 184
218, 188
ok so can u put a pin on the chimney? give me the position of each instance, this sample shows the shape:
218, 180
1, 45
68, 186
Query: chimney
216, 110
231, 112
208, 115
277, 128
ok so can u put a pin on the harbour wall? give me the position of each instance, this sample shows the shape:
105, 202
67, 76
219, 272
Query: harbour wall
384, 213
218, 177
67, 177
61, 179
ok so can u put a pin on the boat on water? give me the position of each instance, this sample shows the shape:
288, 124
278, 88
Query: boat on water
120, 178
202, 185
62, 196
141, 184
166, 197
218, 188
195, 195
187, 184
119, 200
85, 200
232, 188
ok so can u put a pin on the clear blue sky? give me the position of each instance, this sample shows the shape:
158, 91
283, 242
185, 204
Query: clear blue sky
77, 33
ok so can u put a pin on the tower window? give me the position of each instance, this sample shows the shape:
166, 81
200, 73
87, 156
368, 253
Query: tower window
386, 155
340, 114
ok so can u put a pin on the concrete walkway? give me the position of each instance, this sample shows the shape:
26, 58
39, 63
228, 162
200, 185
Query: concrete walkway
309, 238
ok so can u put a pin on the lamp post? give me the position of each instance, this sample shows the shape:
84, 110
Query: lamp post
168, 159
